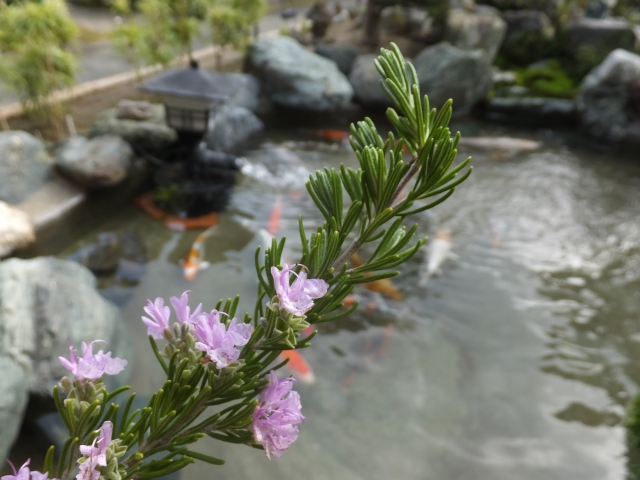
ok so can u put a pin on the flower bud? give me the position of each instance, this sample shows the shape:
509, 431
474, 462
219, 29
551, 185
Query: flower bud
168, 334
176, 331
66, 385
185, 329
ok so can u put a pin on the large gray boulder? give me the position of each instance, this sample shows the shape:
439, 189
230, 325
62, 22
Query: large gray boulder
296, 78
365, 79
16, 230
44, 304
231, 127
24, 166
481, 29
97, 163
152, 135
448, 72
529, 36
604, 100
590, 40
248, 93
13, 401
601, 33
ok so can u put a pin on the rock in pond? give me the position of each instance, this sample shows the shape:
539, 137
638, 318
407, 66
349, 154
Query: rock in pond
343, 55
96, 163
295, 78
24, 166
529, 36
152, 135
103, 255
604, 102
448, 72
531, 111
16, 230
231, 128
482, 28
365, 80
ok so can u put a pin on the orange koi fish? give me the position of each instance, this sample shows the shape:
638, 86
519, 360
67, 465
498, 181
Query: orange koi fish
148, 206
383, 286
276, 215
173, 222
298, 365
194, 262
178, 223
331, 135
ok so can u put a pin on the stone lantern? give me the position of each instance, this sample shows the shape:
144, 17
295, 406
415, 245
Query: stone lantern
191, 97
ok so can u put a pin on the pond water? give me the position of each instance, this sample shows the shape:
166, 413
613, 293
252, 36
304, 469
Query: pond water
516, 362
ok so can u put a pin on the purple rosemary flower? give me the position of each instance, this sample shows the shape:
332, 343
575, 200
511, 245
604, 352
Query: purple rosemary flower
89, 366
218, 341
95, 454
159, 320
277, 415
23, 473
180, 305
297, 298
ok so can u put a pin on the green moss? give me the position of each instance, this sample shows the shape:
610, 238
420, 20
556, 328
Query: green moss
633, 423
633, 439
550, 80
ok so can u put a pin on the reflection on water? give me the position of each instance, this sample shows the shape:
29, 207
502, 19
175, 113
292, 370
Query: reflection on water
516, 362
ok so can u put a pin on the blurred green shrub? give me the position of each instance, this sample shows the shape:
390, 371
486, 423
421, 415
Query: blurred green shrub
167, 28
231, 22
35, 38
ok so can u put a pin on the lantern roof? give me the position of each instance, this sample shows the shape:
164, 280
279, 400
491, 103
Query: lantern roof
192, 82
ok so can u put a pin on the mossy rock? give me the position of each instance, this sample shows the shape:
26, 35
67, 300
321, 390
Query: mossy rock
527, 48
530, 36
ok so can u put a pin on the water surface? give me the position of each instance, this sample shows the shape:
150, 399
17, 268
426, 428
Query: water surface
517, 362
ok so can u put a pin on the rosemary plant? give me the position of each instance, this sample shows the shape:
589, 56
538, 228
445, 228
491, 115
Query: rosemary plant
221, 381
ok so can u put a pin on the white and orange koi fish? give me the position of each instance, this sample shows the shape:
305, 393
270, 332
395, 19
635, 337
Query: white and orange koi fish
194, 262
439, 252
